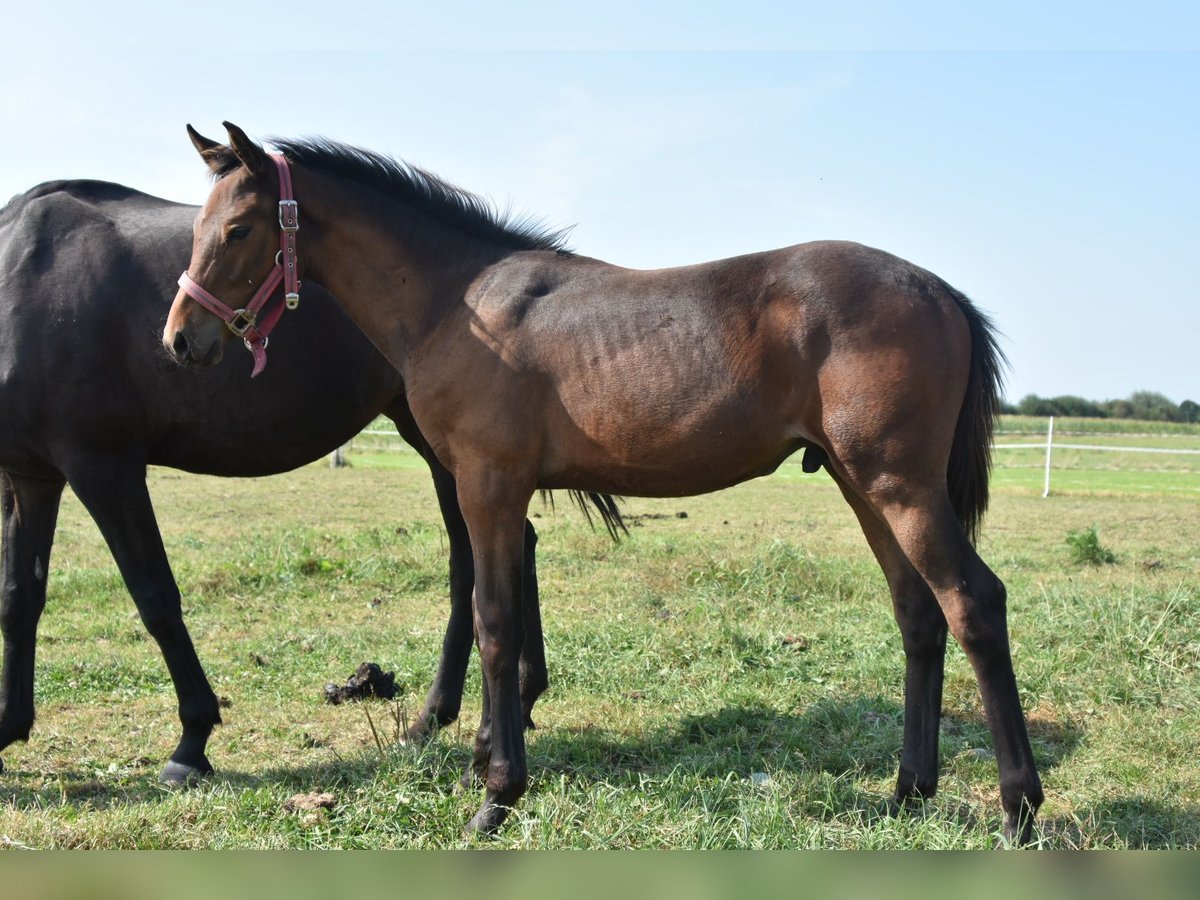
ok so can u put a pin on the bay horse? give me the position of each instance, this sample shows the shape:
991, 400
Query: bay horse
89, 399
528, 366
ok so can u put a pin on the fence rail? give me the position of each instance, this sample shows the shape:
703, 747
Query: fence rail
1042, 446
1049, 445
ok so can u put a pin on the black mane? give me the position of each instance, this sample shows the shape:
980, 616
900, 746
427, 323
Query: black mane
442, 200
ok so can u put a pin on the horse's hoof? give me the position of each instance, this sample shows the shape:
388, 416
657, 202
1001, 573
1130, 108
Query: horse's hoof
419, 733
1, 766
487, 821
1018, 834
177, 774
909, 799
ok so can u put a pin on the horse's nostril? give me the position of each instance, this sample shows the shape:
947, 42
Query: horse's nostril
179, 346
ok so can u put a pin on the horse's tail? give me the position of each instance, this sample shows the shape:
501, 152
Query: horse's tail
971, 454
605, 506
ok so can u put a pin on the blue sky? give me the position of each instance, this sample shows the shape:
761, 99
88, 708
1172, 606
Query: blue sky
1042, 159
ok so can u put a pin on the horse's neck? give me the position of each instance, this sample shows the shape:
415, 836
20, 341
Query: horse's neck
395, 270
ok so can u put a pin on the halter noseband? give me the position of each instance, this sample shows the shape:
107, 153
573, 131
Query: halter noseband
244, 322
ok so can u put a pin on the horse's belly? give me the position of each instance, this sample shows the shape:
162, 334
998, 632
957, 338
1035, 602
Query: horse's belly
642, 449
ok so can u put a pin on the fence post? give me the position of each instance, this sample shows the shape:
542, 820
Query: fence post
1049, 449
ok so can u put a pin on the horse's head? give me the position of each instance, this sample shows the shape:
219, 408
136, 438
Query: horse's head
236, 242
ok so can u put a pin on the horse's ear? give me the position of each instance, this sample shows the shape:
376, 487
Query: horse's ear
210, 151
253, 157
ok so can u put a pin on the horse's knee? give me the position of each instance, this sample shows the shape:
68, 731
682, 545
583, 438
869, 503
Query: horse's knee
21, 605
499, 653
17, 620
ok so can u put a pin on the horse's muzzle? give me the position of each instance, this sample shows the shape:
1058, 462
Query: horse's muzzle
192, 349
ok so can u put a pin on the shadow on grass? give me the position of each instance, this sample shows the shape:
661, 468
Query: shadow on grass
856, 735
836, 741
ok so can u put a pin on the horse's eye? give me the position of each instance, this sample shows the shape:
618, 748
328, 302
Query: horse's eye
237, 233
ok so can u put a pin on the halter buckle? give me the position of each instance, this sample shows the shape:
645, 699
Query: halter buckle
291, 301
289, 215
241, 322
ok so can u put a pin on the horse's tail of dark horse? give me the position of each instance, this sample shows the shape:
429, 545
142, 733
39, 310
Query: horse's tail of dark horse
971, 454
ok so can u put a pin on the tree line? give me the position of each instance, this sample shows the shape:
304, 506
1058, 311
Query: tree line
1146, 405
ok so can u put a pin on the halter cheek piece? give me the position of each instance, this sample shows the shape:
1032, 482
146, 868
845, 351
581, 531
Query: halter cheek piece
244, 322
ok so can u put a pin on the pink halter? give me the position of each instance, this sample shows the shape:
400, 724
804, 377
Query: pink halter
244, 322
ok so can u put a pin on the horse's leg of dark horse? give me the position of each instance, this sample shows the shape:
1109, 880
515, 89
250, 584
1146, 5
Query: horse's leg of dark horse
923, 628
534, 676
113, 489
494, 509
444, 700
30, 511
973, 601
532, 668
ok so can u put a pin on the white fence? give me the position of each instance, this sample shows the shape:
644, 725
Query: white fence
1049, 445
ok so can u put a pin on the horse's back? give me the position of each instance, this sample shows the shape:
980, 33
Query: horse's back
745, 358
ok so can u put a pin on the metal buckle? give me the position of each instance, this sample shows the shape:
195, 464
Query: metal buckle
250, 346
241, 322
289, 215
291, 301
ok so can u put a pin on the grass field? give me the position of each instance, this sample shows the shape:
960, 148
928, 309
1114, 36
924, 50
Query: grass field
728, 679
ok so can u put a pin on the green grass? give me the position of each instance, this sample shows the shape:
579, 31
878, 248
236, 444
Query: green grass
732, 679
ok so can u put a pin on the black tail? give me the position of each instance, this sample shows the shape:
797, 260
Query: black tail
605, 506
971, 455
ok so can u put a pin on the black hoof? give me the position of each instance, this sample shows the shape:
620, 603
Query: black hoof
1019, 834
420, 732
487, 821
177, 774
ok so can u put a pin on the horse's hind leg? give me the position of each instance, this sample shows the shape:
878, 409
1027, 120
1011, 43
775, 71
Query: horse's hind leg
114, 492
30, 511
973, 601
923, 628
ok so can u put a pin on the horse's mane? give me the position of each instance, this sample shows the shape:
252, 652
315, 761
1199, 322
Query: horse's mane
434, 196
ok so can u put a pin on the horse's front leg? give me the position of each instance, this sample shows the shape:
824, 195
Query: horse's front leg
494, 508
445, 693
113, 489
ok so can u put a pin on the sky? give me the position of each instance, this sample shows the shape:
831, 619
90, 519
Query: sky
1042, 157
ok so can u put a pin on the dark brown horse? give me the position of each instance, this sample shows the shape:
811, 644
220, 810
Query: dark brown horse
531, 367
87, 398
